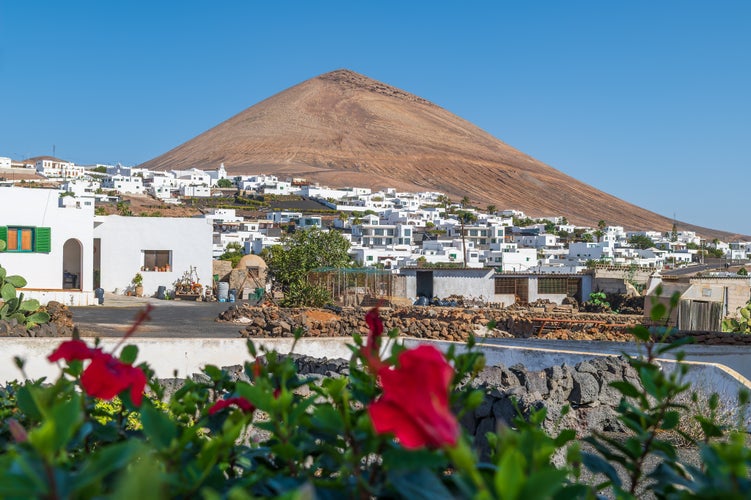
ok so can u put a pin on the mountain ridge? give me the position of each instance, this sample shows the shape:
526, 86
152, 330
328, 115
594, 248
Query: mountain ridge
345, 129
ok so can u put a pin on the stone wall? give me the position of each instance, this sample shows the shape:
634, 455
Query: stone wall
60, 324
440, 323
583, 387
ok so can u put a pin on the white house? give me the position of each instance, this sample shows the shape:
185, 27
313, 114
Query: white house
49, 244
54, 168
160, 248
124, 184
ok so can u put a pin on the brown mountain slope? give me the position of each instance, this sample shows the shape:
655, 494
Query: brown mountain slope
345, 129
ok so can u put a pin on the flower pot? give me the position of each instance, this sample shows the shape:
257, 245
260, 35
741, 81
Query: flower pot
139, 291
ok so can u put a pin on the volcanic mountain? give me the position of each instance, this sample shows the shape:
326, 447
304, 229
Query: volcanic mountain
345, 129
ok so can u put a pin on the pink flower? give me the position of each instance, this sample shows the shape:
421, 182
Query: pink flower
242, 403
414, 405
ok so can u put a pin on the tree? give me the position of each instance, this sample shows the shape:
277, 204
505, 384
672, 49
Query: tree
224, 183
233, 252
298, 254
465, 201
444, 201
465, 218
491, 209
601, 225
674, 233
641, 241
550, 227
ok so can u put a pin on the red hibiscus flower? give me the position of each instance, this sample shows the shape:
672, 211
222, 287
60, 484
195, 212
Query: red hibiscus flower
371, 348
242, 403
414, 405
107, 376
72, 350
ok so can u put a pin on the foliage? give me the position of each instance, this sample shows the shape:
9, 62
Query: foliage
13, 306
742, 324
377, 431
224, 183
137, 279
298, 254
519, 222
597, 303
124, 209
233, 252
641, 241
742, 272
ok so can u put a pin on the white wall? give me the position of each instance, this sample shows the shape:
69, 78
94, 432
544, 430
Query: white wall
124, 239
40, 208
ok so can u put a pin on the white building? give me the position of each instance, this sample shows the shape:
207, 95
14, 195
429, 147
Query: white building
124, 184
50, 245
162, 249
54, 168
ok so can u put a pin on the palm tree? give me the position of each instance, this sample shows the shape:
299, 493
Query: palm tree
465, 201
491, 209
465, 218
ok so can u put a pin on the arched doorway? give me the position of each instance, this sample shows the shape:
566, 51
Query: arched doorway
72, 264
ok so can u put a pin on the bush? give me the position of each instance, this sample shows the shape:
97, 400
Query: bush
386, 429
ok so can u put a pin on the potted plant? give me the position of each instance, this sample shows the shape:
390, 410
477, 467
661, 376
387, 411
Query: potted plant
137, 282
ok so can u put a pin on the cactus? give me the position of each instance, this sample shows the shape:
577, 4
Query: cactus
13, 306
740, 325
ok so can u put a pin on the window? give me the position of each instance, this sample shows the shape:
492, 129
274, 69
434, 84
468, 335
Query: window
26, 239
157, 260
552, 285
505, 286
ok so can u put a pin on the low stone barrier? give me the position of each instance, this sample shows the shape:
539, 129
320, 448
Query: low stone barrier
453, 324
510, 391
439, 323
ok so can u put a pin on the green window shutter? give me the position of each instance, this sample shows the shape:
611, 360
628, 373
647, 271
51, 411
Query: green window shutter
3, 237
43, 240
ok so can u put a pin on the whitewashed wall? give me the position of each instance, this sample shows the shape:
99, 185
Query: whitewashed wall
124, 239
39, 208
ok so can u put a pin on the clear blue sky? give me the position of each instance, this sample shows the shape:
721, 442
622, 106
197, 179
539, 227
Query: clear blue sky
647, 100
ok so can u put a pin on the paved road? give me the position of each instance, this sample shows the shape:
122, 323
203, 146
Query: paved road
169, 318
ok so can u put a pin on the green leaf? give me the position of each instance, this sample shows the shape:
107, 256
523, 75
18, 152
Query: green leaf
420, 484
327, 419
104, 462
598, 465
658, 312
213, 372
543, 484
641, 332
27, 404
29, 305
8, 292
16, 281
510, 477
158, 426
58, 428
129, 354
626, 388
38, 318
670, 420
